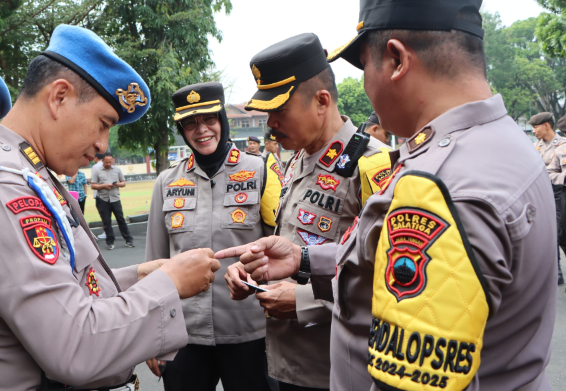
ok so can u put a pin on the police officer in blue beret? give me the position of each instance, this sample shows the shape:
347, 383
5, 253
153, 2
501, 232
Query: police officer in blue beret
68, 321
5, 99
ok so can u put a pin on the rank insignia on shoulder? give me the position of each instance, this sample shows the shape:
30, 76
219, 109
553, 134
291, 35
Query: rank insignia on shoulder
349, 231
240, 197
344, 159
59, 197
242, 176
179, 203
327, 182
40, 237
182, 182
332, 153
239, 216
92, 282
324, 224
177, 220
311, 239
132, 97
20, 204
234, 156
306, 217
28, 151
420, 139
190, 162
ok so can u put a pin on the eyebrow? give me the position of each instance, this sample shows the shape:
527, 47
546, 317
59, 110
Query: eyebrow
110, 119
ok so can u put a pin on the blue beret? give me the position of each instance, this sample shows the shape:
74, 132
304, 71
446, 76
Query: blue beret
85, 53
5, 99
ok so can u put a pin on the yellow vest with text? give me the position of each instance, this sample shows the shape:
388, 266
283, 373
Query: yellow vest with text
374, 171
272, 191
430, 300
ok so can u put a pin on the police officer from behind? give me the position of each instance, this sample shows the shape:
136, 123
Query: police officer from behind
253, 145
453, 266
320, 199
217, 197
548, 142
66, 317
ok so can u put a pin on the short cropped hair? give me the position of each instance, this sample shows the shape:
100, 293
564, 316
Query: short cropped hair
99, 156
42, 70
108, 154
437, 49
324, 80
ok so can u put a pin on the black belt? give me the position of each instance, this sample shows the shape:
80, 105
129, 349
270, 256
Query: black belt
50, 385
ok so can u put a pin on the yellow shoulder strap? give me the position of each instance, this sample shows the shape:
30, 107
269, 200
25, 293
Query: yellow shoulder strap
374, 170
430, 299
273, 186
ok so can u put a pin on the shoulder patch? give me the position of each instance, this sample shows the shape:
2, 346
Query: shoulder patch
20, 204
234, 156
40, 238
182, 182
242, 176
31, 156
332, 153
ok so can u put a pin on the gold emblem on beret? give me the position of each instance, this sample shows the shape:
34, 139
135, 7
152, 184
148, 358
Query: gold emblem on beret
256, 72
193, 97
132, 97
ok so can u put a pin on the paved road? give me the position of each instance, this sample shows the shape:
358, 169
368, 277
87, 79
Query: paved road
123, 256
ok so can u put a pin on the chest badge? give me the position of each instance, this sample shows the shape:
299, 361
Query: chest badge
411, 232
327, 182
344, 159
179, 203
234, 156
238, 216
241, 197
332, 153
40, 238
182, 182
92, 282
311, 239
306, 217
177, 220
324, 224
242, 176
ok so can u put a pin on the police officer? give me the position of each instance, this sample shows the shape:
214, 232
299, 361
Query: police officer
548, 142
66, 317
319, 200
453, 264
253, 145
376, 130
217, 197
271, 146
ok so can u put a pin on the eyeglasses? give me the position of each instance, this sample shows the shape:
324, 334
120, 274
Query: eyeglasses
191, 123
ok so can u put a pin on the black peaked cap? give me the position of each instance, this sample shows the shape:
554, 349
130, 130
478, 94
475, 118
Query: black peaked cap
408, 15
202, 98
279, 69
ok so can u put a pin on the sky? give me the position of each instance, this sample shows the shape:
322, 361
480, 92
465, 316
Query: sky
253, 25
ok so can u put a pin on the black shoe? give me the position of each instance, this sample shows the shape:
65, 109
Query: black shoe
109, 247
131, 244
561, 280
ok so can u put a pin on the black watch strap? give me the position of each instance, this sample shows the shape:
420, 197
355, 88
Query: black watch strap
305, 268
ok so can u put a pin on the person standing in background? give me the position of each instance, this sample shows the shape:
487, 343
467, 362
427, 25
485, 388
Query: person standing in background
97, 165
253, 145
108, 181
78, 183
374, 128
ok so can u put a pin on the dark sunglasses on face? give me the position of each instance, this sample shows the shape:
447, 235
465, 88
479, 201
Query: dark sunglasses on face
191, 123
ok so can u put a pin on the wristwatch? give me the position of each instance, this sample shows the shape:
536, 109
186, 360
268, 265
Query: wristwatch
305, 268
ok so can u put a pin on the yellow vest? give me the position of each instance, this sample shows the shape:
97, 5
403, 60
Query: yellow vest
430, 300
273, 186
374, 171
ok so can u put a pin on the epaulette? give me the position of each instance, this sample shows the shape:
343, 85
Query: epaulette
177, 163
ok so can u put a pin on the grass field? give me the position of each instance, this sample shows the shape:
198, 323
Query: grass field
135, 197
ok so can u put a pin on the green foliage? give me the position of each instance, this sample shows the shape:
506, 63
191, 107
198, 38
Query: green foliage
353, 101
517, 68
551, 29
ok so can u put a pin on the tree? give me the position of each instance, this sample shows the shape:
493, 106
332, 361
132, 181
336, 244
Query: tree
166, 41
353, 101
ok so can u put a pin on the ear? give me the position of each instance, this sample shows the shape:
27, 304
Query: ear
58, 95
323, 101
401, 57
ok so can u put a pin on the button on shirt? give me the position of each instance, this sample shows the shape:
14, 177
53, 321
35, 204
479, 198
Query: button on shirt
102, 175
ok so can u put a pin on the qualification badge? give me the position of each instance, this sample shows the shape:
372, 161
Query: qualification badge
92, 282
238, 216
177, 220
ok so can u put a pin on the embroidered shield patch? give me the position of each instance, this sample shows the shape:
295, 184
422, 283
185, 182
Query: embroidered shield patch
238, 216
20, 204
92, 282
327, 182
41, 238
179, 203
306, 217
177, 220
240, 197
311, 239
344, 159
411, 232
324, 223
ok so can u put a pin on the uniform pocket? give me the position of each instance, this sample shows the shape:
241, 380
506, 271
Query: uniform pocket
179, 214
241, 210
315, 220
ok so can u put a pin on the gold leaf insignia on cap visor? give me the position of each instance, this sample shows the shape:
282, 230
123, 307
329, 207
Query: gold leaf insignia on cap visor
256, 72
132, 97
193, 97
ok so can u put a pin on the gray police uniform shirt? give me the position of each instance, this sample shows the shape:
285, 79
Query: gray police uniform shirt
102, 175
546, 150
187, 212
96, 166
317, 206
51, 318
506, 206
557, 166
